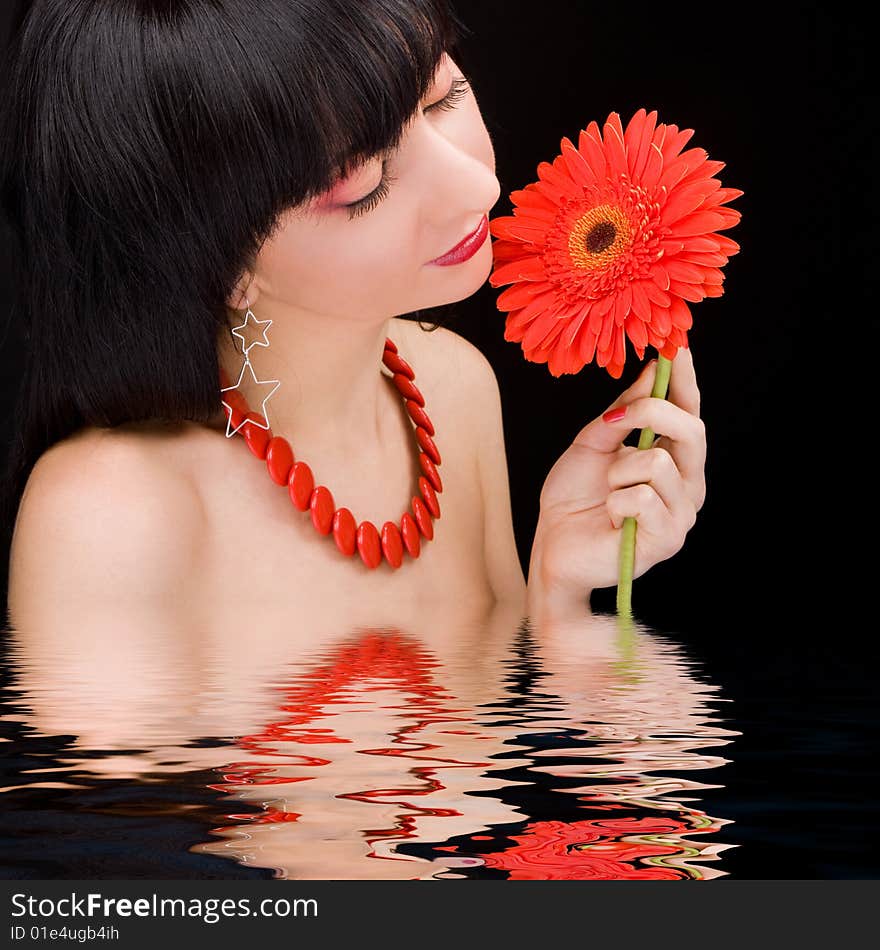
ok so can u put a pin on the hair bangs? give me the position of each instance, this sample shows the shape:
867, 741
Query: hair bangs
304, 93
147, 151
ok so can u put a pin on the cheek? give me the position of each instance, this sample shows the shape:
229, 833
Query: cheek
343, 266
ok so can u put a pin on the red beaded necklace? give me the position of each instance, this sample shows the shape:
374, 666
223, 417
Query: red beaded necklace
364, 538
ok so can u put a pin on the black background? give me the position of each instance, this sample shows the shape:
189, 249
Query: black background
762, 590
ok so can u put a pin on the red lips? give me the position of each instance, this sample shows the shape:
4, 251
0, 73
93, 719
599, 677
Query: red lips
467, 247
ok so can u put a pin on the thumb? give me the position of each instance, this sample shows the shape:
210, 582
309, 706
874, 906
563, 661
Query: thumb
602, 437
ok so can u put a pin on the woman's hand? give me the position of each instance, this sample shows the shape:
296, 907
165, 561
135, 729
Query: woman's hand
598, 481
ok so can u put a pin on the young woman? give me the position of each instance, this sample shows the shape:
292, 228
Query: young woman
191, 183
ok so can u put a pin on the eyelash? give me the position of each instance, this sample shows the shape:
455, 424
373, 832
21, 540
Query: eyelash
457, 92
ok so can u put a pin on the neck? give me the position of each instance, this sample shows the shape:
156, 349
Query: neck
333, 391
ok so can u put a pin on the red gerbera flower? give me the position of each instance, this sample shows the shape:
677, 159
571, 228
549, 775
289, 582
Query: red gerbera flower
610, 243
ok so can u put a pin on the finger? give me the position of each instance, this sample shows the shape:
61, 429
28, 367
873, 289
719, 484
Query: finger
652, 516
642, 385
657, 468
597, 435
696, 486
683, 389
686, 432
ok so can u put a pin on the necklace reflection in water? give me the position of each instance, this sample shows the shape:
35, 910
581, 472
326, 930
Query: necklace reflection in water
285, 469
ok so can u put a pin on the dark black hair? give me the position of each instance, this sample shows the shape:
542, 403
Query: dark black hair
147, 149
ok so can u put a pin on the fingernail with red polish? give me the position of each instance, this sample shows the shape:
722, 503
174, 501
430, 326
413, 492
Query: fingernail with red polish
614, 415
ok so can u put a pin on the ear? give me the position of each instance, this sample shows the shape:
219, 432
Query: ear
246, 291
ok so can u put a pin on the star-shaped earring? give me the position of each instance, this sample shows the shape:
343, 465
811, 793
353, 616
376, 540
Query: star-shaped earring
259, 382
265, 324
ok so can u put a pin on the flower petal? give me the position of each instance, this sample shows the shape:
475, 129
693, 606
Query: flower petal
614, 147
671, 247
641, 302
687, 198
675, 141
669, 350
730, 216
574, 326
603, 304
707, 260
680, 314
677, 171
638, 138
622, 305
531, 197
633, 132
515, 229
654, 338
660, 277
726, 245
661, 321
500, 220
681, 270
558, 176
655, 294
692, 292
524, 214
604, 341
678, 336
529, 268
697, 159
618, 356
513, 332
573, 362
636, 331
588, 345
701, 222
577, 165
538, 305
730, 193
590, 146
705, 245
539, 328
518, 295
653, 167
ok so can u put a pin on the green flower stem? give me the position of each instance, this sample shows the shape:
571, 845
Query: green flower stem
628, 535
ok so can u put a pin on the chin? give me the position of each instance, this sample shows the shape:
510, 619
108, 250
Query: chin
463, 280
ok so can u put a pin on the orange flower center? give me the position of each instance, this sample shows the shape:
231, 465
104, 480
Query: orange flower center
599, 236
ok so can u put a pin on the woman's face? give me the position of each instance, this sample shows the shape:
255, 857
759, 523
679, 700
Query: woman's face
377, 264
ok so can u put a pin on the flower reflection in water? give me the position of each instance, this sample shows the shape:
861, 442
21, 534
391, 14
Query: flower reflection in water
390, 759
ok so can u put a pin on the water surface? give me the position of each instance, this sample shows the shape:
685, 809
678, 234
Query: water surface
578, 751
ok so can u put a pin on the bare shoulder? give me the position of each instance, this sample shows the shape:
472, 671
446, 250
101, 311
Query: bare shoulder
102, 520
448, 357
462, 373
455, 371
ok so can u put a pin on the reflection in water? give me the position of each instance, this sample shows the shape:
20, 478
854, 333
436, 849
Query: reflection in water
467, 752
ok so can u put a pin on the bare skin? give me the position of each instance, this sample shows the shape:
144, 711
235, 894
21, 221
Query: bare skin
257, 544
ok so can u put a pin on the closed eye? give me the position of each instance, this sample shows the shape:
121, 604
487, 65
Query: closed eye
457, 92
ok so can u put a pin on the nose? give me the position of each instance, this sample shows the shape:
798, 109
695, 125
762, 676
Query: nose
460, 175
